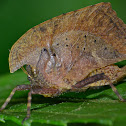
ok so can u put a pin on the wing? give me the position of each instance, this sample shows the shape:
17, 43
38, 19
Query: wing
99, 20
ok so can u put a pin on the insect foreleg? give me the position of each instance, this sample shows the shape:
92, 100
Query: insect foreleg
28, 106
17, 88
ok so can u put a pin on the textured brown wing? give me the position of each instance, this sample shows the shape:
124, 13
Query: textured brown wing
98, 20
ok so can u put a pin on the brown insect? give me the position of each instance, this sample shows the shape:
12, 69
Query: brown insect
71, 52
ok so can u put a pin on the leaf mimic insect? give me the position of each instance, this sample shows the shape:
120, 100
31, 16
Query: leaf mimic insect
71, 52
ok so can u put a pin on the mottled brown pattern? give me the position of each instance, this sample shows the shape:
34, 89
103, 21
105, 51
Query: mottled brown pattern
71, 46
71, 52
99, 20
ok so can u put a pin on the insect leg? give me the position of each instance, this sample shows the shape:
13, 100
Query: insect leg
28, 106
17, 88
115, 90
95, 78
117, 93
89, 80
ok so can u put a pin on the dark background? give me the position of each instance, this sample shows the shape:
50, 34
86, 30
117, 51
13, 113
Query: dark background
17, 16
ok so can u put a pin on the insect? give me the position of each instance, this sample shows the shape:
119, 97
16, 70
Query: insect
71, 52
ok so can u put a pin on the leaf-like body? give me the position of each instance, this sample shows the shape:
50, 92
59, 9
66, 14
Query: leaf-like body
65, 49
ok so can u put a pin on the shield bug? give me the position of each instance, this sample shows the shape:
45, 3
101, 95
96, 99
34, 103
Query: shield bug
71, 52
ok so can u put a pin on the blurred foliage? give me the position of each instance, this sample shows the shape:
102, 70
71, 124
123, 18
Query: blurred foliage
17, 16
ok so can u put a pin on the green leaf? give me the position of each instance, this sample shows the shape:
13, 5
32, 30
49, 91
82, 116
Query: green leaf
93, 107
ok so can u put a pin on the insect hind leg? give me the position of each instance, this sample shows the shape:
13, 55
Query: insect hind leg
95, 78
87, 81
115, 89
117, 93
